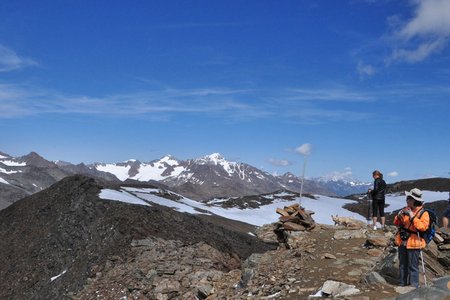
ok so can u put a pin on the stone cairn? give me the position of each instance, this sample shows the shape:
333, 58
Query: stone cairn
295, 218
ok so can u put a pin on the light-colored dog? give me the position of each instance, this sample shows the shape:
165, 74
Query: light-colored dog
347, 222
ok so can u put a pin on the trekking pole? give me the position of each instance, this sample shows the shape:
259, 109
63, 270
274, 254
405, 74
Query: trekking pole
423, 263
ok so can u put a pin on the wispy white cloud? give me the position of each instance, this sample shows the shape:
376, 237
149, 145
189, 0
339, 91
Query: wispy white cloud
432, 17
321, 105
393, 174
292, 106
17, 101
164, 103
193, 25
304, 149
10, 61
317, 115
365, 70
422, 51
328, 94
25, 100
279, 162
426, 33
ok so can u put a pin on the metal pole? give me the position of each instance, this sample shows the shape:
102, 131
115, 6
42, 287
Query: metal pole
303, 179
423, 264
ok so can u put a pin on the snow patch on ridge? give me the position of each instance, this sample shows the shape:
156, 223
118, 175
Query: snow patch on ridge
11, 163
57, 276
168, 159
122, 196
146, 171
120, 172
323, 206
8, 172
155, 170
265, 214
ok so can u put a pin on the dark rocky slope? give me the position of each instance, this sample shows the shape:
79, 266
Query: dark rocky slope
430, 184
68, 228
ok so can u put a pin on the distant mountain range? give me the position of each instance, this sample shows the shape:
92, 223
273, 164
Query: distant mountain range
202, 178
214, 176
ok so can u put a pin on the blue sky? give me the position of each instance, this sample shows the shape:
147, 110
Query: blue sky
365, 82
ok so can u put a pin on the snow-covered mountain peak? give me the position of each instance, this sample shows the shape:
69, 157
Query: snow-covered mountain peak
335, 177
169, 160
214, 158
61, 163
339, 178
288, 175
343, 183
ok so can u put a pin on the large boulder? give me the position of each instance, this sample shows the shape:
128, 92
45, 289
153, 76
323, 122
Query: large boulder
439, 290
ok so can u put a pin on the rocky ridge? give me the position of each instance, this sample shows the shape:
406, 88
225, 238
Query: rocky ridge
329, 261
31, 173
53, 241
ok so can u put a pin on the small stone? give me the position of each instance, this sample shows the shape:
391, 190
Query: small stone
357, 272
373, 278
444, 247
152, 273
404, 289
205, 290
375, 252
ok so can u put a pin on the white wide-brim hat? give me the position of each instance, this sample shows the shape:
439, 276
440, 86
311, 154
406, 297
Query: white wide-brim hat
415, 193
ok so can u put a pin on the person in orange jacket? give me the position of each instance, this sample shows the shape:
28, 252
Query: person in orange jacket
408, 240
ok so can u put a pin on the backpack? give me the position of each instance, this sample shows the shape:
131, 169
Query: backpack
430, 232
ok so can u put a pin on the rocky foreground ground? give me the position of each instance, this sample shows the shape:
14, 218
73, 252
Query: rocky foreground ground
67, 243
329, 261
53, 242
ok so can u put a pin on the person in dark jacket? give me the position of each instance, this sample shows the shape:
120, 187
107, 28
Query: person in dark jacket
378, 198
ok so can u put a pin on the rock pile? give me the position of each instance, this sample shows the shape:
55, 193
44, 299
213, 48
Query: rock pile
295, 218
161, 269
439, 249
329, 261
